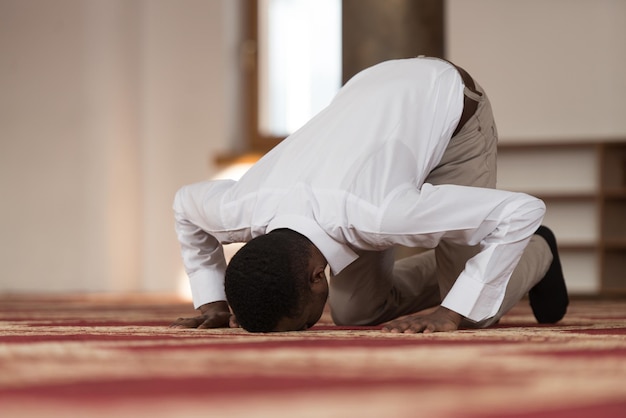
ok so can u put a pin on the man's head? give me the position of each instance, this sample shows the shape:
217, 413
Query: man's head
277, 282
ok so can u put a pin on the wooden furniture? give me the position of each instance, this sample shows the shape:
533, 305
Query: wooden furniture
584, 187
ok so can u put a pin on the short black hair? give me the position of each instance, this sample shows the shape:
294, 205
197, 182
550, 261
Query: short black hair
267, 279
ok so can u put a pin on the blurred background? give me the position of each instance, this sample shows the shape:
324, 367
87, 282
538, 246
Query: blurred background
107, 107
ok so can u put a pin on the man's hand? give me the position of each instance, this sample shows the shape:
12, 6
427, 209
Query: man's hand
213, 315
442, 319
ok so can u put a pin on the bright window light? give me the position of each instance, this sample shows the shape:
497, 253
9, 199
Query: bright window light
299, 61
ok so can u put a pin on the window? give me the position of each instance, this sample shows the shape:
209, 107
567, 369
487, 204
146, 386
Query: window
294, 55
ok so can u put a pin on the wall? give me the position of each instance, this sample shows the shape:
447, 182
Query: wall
552, 68
190, 114
107, 107
554, 72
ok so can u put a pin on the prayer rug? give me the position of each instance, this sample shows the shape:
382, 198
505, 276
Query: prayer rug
95, 356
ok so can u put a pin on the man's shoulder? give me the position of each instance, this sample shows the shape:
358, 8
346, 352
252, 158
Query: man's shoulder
203, 191
208, 186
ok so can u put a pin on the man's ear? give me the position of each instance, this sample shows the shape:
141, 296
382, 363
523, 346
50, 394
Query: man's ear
318, 275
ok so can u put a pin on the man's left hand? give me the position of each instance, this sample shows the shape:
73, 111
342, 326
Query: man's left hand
442, 319
214, 315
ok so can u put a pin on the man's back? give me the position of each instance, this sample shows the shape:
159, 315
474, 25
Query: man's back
389, 125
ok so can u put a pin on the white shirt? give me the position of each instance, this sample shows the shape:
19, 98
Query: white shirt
353, 178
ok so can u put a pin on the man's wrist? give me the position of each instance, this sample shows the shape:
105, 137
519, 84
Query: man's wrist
451, 315
214, 307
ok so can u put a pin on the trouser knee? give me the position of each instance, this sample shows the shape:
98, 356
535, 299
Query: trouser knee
353, 317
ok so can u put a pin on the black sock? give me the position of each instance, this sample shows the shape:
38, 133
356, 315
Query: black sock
548, 298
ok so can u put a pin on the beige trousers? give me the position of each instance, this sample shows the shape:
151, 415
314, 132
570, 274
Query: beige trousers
376, 288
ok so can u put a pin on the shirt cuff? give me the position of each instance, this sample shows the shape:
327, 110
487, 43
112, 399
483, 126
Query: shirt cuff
474, 300
206, 286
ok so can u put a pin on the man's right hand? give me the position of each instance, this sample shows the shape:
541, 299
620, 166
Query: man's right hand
213, 315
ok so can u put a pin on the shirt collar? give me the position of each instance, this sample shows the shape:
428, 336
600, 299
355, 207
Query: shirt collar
338, 255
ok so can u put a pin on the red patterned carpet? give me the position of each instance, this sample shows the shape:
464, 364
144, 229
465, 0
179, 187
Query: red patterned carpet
103, 357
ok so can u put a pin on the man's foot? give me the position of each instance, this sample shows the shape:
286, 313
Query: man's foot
548, 298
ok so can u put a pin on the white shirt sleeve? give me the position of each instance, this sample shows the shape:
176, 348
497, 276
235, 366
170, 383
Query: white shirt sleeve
202, 252
500, 222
